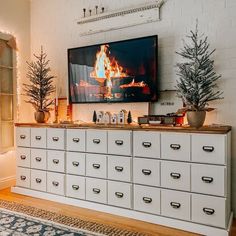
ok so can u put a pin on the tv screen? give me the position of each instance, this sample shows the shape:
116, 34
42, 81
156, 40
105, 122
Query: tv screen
124, 71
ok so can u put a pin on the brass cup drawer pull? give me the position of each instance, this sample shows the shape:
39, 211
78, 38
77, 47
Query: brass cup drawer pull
75, 163
175, 205
38, 180
208, 211
22, 136
147, 199
119, 168
208, 148
55, 183
38, 159
119, 142
175, 146
96, 190
175, 175
23, 157
96, 141
147, 144
146, 172
55, 161
75, 187
22, 177
119, 194
96, 166
38, 138
76, 140
207, 180
55, 139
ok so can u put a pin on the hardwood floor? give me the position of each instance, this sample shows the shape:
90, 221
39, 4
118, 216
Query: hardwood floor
121, 222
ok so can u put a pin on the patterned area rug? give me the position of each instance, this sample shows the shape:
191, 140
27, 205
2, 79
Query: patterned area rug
20, 220
16, 224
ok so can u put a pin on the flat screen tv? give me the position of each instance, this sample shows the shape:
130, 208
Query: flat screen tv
124, 71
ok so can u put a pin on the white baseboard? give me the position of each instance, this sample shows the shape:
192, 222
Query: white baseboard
7, 182
169, 222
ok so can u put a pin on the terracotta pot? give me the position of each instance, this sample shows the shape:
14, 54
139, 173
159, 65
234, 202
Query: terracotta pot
41, 116
196, 118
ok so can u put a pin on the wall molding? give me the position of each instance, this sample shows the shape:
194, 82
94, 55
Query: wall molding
7, 182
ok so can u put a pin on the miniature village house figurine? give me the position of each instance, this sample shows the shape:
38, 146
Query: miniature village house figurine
107, 118
122, 117
100, 117
114, 119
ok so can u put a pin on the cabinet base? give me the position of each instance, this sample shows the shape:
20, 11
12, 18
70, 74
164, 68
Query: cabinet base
160, 220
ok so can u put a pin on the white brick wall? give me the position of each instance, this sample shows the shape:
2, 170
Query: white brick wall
53, 25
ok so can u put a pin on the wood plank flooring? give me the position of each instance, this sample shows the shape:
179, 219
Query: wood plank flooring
104, 218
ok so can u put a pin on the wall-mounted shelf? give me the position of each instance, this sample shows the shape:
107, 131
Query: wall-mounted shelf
121, 18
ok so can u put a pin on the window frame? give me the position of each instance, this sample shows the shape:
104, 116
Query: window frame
6, 37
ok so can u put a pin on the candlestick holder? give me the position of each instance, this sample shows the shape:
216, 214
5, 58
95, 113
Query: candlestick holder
56, 121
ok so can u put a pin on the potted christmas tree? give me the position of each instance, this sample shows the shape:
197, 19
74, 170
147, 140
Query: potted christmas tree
196, 85
40, 87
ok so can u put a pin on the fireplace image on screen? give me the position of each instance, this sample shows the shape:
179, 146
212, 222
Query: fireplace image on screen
124, 71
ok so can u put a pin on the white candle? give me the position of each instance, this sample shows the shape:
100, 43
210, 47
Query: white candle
56, 96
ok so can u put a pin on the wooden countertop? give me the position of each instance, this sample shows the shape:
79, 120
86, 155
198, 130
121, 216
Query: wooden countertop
209, 129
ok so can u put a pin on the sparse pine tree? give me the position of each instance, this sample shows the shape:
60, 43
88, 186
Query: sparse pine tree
41, 83
94, 117
197, 79
129, 119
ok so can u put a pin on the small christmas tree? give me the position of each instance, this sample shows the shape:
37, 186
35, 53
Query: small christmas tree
197, 78
94, 117
129, 119
40, 86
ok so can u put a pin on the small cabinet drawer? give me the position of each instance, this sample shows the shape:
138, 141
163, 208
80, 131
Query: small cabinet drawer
119, 194
23, 137
146, 144
96, 165
75, 140
39, 159
147, 199
175, 204
119, 168
209, 210
96, 141
75, 186
56, 138
209, 148
175, 175
175, 146
23, 157
75, 163
209, 179
23, 177
56, 161
146, 171
56, 183
96, 190
119, 142
38, 137
39, 180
